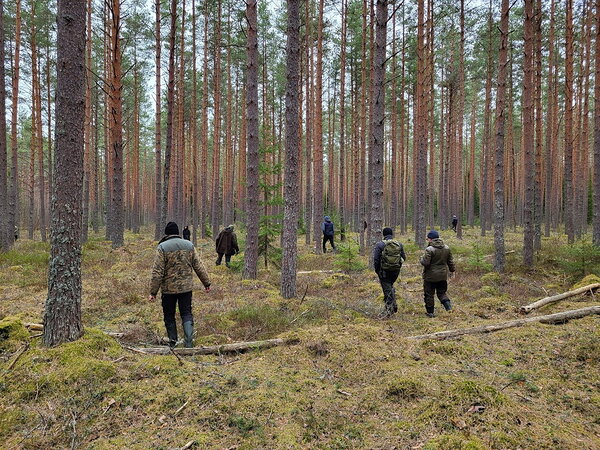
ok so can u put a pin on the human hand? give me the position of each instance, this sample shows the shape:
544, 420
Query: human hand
152, 297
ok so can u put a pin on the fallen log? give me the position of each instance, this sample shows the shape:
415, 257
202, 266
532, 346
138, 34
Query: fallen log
40, 327
214, 349
555, 298
561, 317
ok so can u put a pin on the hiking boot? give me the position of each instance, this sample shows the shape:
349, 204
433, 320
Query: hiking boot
188, 331
171, 333
430, 315
447, 305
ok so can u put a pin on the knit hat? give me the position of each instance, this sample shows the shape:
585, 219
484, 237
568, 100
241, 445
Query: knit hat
327, 219
171, 229
433, 235
387, 231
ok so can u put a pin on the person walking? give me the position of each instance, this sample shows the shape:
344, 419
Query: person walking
186, 233
454, 222
175, 262
388, 255
437, 262
328, 232
226, 244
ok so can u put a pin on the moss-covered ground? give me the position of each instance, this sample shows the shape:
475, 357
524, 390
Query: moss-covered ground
353, 380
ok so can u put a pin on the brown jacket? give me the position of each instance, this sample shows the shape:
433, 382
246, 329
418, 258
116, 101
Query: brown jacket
437, 261
175, 262
226, 242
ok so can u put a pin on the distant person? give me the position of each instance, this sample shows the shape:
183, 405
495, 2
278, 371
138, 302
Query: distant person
454, 222
226, 244
388, 255
328, 232
16, 233
186, 233
437, 262
175, 262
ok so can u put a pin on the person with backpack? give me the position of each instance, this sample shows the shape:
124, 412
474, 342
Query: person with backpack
328, 233
226, 244
388, 255
437, 262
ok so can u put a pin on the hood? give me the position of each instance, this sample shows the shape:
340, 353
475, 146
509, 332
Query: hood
437, 243
327, 219
228, 229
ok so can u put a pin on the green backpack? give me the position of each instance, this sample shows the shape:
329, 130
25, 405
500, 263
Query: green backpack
391, 258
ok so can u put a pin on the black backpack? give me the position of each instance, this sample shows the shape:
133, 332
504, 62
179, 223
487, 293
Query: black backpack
391, 256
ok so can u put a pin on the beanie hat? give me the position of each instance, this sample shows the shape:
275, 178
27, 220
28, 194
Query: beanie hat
387, 231
433, 235
171, 229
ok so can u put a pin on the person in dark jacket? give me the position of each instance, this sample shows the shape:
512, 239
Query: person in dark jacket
186, 233
388, 273
328, 232
175, 262
454, 222
437, 262
226, 244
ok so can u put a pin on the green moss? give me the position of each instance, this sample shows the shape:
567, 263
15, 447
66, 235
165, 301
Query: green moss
335, 279
467, 392
446, 348
587, 280
483, 307
455, 441
492, 277
12, 333
405, 389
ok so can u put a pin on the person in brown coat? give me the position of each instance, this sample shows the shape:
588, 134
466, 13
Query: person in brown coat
175, 263
226, 244
437, 262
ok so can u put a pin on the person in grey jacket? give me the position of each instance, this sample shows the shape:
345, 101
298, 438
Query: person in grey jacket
437, 262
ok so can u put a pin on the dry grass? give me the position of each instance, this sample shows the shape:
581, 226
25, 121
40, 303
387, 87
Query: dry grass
352, 382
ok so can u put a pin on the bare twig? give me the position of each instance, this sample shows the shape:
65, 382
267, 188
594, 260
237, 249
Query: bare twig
22, 350
182, 407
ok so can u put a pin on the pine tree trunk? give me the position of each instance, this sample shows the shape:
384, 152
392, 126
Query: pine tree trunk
13, 209
499, 260
62, 315
194, 132
318, 137
484, 200
158, 194
378, 124
5, 232
204, 138
252, 167
87, 130
342, 147
550, 131
568, 158
528, 135
420, 134
216, 165
292, 147
596, 215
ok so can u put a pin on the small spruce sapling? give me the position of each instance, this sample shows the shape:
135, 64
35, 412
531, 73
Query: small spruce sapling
347, 258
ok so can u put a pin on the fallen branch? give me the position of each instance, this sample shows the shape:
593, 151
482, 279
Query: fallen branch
214, 349
561, 317
555, 298
40, 327
303, 272
22, 350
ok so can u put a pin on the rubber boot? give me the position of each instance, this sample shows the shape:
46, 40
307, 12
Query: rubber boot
430, 312
447, 305
188, 332
172, 333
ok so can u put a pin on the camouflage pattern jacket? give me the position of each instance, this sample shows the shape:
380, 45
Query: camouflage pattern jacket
436, 261
175, 262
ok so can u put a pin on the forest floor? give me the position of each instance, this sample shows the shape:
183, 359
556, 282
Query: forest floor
351, 380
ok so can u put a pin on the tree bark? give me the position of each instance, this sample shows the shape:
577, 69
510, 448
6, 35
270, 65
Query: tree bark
291, 198
252, 167
62, 314
5, 232
420, 188
596, 215
568, 169
500, 124
378, 124
557, 318
158, 194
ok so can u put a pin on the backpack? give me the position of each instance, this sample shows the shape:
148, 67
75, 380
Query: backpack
391, 258
328, 229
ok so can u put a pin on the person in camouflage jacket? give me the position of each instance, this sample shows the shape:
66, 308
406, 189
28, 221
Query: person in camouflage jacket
175, 262
437, 261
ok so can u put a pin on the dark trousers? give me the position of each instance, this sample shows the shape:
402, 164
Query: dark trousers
220, 258
330, 239
430, 288
169, 303
387, 278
